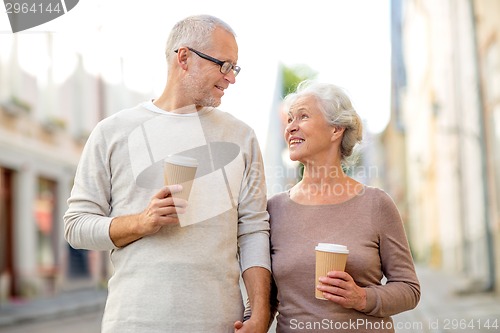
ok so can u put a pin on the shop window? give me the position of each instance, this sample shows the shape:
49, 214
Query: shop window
7, 271
45, 217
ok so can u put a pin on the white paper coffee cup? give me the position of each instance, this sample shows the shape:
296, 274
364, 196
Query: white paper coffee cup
329, 257
180, 170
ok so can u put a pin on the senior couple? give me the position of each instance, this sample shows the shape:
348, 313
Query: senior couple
177, 263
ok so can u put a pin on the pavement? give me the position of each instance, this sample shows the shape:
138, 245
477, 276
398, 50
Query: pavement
450, 303
443, 307
64, 304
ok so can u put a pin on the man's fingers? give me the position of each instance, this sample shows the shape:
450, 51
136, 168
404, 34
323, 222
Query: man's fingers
179, 203
238, 325
168, 191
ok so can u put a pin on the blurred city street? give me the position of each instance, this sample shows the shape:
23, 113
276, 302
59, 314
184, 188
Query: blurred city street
78, 312
448, 305
445, 306
426, 83
83, 323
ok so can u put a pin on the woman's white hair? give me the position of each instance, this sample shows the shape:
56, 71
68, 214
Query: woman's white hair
337, 109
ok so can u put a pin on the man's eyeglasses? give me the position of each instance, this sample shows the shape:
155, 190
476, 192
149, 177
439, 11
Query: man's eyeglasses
225, 66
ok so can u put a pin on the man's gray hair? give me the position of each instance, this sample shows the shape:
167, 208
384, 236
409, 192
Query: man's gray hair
194, 31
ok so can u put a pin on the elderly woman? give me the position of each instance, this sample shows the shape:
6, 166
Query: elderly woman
328, 206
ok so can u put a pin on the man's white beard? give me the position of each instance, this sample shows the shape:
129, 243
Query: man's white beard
197, 90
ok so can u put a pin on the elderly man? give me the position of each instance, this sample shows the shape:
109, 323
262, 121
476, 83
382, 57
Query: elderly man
177, 263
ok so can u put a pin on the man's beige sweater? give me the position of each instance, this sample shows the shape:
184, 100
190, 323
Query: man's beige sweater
181, 279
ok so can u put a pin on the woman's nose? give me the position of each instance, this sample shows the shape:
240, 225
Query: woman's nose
291, 127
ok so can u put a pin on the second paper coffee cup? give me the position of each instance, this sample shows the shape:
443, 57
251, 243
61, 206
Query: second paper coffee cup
181, 170
329, 257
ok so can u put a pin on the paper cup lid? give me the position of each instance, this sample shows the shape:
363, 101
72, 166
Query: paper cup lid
182, 160
327, 247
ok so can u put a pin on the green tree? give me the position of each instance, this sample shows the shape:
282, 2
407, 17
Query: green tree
292, 76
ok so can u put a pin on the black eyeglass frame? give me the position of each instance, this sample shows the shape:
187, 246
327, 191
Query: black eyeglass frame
222, 64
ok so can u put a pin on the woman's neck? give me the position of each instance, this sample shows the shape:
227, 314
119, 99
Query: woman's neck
325, 184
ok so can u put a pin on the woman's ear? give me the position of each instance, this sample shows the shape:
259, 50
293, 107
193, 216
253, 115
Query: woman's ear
337, 132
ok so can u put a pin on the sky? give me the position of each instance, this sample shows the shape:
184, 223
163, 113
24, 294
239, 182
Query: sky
347, 42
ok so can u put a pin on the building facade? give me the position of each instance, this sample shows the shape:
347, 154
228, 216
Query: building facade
443, 101
487, 15
50, 99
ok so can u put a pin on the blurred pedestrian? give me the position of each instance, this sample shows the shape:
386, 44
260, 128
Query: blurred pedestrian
170, 277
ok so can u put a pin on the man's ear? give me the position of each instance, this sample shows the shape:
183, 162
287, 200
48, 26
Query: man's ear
182, 56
